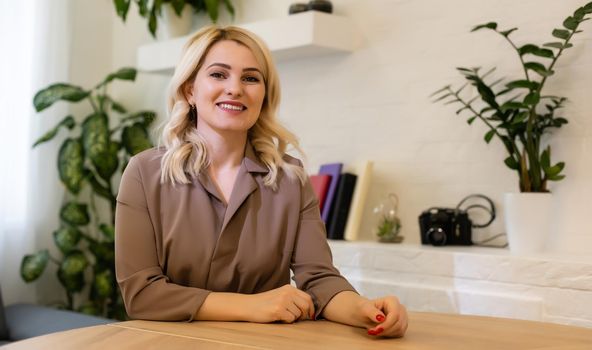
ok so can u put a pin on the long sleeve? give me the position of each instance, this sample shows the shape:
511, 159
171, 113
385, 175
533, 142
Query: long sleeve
147, 292
311, 260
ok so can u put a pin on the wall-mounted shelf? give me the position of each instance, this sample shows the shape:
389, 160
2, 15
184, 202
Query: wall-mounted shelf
305, 34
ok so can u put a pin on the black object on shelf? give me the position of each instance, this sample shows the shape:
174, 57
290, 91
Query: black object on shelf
341, 206
297, 8
320, 5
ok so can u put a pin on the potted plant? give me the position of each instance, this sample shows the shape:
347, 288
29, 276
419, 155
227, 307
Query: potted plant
168, 9
88, 161
519, 114
389, 224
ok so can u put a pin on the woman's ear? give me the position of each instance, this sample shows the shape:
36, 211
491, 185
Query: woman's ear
188, 91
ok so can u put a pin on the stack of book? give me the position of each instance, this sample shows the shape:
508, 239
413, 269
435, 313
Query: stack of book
342, 196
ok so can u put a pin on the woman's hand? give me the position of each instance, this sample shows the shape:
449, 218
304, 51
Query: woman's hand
384, 316
286, 304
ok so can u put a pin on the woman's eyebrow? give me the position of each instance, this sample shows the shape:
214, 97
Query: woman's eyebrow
223, 65
226, 66
252, 69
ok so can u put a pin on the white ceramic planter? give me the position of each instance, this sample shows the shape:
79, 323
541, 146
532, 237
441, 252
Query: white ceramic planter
172, 26
528, 221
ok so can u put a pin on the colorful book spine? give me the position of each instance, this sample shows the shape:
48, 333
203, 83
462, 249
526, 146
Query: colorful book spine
341, 206
352, 227
334, 170
320, 185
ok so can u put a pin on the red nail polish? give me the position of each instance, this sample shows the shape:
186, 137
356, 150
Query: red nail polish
371, 332
379, 330
379, 318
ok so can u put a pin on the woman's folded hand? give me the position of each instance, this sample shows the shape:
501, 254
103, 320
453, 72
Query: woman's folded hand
386, 316
285, 304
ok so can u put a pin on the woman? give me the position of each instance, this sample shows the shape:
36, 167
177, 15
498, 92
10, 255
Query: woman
209, 226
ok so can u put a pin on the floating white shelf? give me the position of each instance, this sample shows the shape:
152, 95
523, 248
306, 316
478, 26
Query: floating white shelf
305, 34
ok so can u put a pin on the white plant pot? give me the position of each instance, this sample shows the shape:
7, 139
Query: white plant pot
172, 26
528, 221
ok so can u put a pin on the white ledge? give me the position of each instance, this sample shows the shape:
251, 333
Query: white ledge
306, 34
472, 280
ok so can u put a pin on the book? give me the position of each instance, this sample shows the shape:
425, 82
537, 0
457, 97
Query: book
358, 205
320, 185
334, 170
341, 205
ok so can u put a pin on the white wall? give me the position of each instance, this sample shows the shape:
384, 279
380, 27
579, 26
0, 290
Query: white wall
373, 103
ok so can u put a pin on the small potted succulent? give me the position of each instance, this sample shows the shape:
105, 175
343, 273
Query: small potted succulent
519, 113
389, 224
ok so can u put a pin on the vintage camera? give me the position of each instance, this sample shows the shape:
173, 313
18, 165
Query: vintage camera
445, 226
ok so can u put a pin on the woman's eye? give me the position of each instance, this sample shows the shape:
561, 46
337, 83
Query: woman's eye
251, 79
217, 75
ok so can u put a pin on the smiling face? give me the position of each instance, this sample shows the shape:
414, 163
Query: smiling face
228, 90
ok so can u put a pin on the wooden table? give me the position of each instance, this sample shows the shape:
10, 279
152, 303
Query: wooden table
426, 331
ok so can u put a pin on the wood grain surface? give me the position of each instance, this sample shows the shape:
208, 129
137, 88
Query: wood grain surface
426, 331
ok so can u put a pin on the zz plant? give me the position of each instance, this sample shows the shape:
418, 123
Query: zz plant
521, 120
94, 152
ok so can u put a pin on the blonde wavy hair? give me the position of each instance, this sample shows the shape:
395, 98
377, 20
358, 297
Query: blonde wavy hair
185, 149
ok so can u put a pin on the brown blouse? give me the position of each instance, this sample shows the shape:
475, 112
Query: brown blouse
176, 244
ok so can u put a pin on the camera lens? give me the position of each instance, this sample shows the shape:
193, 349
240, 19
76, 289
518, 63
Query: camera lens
436, 236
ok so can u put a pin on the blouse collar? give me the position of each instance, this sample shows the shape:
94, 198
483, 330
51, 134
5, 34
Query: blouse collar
252, 163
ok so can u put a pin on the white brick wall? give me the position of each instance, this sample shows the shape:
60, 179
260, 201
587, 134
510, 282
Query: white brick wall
373, 104
476, 281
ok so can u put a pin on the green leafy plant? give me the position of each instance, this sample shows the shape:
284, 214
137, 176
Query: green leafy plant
388, 229
521, 120
87, 162
152, 9
389, 224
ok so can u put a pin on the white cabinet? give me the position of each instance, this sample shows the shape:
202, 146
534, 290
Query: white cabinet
472, 280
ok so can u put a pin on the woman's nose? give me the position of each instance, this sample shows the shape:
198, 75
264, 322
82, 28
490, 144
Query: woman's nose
234, 87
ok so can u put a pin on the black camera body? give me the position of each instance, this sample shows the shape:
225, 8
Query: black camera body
445, 226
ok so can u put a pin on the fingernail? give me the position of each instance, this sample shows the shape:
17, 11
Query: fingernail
376, 331
379, 318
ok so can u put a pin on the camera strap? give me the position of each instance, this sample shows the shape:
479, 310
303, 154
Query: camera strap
490, 209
